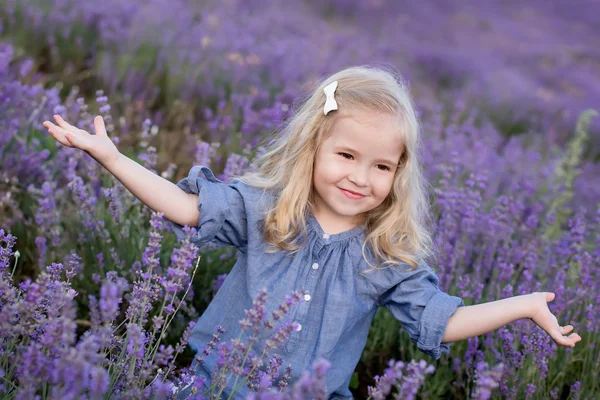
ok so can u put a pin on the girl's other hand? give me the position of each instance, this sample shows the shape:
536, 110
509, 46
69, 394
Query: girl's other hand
99, 146
548, 322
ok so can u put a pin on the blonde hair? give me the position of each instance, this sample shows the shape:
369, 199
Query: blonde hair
397, 229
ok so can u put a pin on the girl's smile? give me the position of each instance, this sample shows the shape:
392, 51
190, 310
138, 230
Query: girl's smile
352, 195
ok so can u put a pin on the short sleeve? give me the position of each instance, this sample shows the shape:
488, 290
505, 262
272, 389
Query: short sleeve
222, 209
423, 309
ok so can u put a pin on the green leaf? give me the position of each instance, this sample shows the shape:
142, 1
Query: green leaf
354, 381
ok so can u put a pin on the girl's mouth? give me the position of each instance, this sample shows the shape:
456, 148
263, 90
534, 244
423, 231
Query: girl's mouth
352, 195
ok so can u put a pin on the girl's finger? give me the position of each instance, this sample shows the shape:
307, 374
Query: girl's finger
566, 329
66, 137
60, 138
569, 341
49, 125
575, 337
74, 140
57, 129
63, 124
99, 126
549, 296
64, 131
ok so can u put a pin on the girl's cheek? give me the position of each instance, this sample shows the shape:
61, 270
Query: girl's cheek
383, 184
334, 164
343, 169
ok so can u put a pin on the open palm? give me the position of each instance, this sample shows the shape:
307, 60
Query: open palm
99, 146
548, 322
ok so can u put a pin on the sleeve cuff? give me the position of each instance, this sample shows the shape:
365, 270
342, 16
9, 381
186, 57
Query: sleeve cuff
434, 321
190, 184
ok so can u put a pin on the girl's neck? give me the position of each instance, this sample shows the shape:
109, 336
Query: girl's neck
333, 225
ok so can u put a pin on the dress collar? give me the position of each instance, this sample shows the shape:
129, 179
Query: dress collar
314, 225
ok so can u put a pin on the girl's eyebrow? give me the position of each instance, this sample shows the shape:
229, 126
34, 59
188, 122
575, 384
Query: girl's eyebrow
379, 160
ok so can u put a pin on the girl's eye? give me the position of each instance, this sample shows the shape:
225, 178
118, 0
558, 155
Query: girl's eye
346, 155
383, 167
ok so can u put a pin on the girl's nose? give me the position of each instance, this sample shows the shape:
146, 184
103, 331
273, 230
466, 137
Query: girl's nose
359, 176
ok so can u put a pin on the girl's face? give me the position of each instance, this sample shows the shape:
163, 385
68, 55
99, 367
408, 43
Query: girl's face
355, 168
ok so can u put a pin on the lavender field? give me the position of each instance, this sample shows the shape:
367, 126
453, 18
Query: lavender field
98, 296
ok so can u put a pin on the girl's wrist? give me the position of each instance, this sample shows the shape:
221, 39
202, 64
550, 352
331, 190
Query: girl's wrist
537, 301
112, 164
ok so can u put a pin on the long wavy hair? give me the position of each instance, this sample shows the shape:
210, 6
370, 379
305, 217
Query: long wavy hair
398, 229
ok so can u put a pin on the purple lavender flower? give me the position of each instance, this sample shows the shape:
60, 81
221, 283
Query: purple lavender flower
256, 315
575, 390
72, 263
150, 158
110, 298
407, 378
178, 274
113, 195
235, 165
150, 256
217, 283
206, 351
7, 243
205, 153
40, 242
487, 380
136, 340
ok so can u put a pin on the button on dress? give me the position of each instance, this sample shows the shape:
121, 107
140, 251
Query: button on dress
340, 304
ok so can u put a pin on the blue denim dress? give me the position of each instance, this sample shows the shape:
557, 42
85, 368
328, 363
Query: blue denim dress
340, 304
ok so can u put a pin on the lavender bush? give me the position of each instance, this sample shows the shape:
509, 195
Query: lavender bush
187, 58
95, 280
42, 352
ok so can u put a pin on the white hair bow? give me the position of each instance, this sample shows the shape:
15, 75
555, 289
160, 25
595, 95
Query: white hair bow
330, 103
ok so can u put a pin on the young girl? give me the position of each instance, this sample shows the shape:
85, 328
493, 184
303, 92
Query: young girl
337, 209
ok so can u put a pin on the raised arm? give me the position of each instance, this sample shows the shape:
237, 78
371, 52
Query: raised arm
478, 319
151, 189
158, 193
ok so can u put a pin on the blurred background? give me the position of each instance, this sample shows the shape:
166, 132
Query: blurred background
503, 90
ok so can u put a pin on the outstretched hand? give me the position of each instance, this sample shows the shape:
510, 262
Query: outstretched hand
99, 146
548, 322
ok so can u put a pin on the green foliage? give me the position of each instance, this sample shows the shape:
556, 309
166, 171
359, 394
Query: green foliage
383, 334
52, 59
354, 381
566, 172
510, 120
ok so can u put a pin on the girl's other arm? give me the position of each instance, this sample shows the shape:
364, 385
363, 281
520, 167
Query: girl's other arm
478, 319
154, 191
